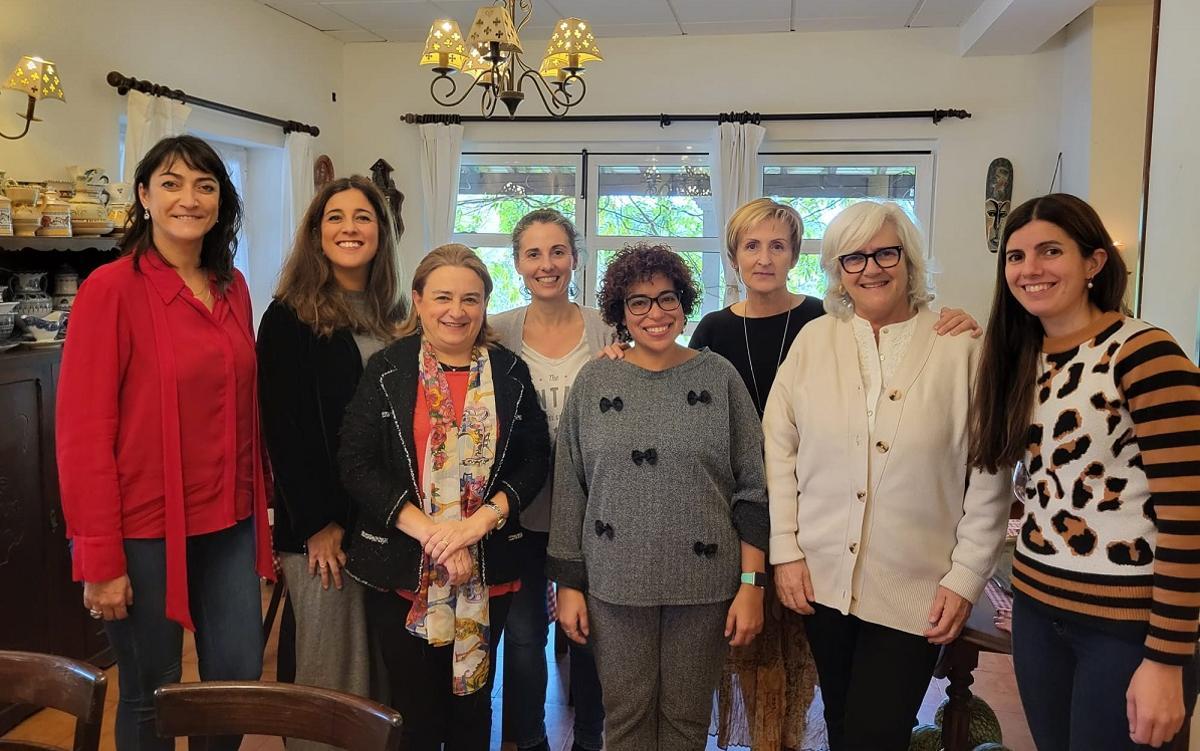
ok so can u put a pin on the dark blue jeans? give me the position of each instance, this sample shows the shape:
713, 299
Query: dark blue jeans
1072, 680
525, 661
226, 608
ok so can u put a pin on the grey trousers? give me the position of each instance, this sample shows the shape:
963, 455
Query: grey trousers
331, 634
658, 667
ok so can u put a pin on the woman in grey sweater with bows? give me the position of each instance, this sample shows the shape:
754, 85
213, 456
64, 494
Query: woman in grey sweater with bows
659, 522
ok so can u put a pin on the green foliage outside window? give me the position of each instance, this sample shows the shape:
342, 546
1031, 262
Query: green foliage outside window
498, 214
650, 216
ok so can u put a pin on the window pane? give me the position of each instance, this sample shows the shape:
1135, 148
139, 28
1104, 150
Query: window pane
807, 277
493, 197
820, 192
507, 285
655, 201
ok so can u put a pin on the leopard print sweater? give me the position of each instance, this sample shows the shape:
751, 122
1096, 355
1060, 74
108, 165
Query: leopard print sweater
1112, 501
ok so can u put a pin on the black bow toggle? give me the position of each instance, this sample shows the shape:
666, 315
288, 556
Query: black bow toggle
604, 530
703, 397
649, 455
708, 551
615, 403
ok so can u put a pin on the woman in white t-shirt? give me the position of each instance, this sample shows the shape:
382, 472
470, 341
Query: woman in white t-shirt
555, 337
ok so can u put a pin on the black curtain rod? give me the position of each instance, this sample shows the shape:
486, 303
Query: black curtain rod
665, 120
123, 84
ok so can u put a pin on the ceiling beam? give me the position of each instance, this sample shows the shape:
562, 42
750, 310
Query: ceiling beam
1016, 27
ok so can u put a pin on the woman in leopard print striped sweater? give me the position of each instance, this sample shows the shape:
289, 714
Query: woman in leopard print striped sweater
1104, 411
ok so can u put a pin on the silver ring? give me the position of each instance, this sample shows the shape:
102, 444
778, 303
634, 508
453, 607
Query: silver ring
568, 632
95, 613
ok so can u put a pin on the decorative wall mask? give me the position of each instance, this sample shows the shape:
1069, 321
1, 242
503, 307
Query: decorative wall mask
997, 201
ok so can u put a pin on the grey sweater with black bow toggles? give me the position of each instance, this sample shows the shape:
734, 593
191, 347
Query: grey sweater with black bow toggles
658, 478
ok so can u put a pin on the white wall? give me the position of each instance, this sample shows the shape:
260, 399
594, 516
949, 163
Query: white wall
233, 51
1075, 126
1120, 82
236, 52
1171, 273
783, 72
1106, 74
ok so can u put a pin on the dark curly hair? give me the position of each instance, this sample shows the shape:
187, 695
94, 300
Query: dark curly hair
638, 263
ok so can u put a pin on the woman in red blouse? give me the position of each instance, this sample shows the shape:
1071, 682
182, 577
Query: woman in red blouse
158, 445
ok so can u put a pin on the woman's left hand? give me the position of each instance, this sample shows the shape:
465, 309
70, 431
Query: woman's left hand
450, 537
1154, 703
325, 555
955, 321
947, 616
614, 351
745, 619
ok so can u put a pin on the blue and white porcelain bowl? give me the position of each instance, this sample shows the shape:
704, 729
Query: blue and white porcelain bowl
45, 328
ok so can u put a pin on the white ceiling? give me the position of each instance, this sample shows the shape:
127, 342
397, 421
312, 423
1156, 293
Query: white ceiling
409, 20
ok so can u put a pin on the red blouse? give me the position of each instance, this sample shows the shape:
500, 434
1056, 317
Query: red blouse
156, 421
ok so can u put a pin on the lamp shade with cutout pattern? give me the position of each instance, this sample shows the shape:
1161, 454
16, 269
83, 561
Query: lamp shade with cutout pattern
571, 46
494, 24
36, 77
444, 47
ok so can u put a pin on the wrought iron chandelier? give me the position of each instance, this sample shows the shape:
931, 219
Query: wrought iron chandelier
690, 182
491, 56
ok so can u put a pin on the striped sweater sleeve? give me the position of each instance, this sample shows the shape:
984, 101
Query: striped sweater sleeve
1161, 388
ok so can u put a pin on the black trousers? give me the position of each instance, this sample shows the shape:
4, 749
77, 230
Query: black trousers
873, 679
419, 679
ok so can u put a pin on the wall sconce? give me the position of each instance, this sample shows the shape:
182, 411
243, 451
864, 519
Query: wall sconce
37, 79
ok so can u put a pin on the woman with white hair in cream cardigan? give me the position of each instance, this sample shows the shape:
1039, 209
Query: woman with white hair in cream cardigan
880, 536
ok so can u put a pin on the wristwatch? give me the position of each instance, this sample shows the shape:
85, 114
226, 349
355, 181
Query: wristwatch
755, 578
495, 509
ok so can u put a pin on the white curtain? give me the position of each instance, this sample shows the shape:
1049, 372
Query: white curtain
149, 120
441, 155
738, 182
298, 188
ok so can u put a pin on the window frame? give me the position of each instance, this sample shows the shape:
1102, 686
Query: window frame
923, 159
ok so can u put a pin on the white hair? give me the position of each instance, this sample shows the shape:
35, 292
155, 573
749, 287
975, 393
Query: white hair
850, 231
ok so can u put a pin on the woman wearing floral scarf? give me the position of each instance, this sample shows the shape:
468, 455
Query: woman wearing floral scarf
442, 446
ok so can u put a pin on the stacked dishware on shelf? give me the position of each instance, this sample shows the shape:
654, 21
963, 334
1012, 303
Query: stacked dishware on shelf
33, 311
88, 205
66, 284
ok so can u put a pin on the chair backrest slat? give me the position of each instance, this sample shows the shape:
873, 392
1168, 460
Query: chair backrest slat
59, 683
263, 708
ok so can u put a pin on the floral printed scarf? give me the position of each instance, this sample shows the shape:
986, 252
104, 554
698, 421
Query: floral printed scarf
458, 461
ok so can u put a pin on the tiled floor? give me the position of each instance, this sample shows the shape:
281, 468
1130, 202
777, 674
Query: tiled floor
993, 682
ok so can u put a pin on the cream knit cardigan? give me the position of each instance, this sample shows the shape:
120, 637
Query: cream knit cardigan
881, 517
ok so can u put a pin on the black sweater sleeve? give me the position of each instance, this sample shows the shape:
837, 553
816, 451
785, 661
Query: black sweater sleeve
367, 430
289, 407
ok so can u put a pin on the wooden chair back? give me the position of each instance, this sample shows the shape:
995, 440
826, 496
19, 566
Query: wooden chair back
212, 708
51, 681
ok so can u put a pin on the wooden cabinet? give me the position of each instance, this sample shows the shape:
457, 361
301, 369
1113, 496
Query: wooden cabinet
44, 607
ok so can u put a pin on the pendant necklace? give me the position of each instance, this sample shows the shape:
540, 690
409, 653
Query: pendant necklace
759, 403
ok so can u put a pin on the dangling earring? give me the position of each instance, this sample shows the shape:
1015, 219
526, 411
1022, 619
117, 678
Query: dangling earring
146, 214
1090, 285
845, 296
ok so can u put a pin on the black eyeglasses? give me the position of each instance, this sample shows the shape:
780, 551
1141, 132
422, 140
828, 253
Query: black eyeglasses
639, 305
885, 258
